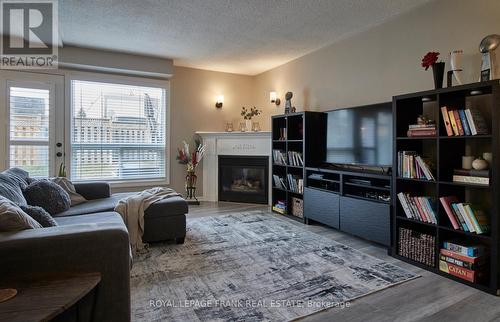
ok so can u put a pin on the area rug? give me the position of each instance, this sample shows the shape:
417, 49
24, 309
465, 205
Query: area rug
252, 267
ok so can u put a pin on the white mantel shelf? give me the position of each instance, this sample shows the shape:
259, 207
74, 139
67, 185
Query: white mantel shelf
230, 143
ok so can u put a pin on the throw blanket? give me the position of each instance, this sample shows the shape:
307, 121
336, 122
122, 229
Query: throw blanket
132, 210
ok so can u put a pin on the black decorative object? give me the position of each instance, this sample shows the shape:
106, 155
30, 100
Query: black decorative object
288, 102
438, 72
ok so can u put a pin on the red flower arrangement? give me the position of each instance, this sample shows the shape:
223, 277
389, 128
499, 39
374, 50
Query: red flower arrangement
429, 59
191, 159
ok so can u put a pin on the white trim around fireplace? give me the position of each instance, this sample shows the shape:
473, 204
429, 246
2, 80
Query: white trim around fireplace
230, 143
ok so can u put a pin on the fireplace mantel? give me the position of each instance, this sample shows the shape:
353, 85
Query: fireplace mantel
229, 143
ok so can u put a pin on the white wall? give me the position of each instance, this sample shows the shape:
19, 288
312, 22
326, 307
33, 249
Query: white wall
377, 64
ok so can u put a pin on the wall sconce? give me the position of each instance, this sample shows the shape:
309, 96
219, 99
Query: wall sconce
274, 99
219, 101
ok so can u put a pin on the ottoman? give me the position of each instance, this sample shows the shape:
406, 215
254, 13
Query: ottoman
166, 220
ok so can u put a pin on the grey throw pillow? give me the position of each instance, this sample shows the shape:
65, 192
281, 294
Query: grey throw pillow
48, 195
12, 218
12, 183
68, 186
40, 215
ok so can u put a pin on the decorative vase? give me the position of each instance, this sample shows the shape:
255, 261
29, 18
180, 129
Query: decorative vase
467, 162
248, 125
456, 65
191, 179
488, 156
255, 126
480, 164
438, 72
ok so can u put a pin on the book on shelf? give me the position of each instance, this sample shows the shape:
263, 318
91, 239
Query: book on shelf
463, 122
422, 132
472, 173
418, 208
460, 128
279, 157
280, 207
473, 276
295, 183
279, 182
447, 206
413, 166
462, 263
485, 181
470, 262
295, 159
415, 130
464, 248
465, 216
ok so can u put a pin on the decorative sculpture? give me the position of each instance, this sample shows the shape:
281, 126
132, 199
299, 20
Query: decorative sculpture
288, 102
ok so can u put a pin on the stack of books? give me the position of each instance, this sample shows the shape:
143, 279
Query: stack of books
418, 208
279, 182
279, 157
472, 176
280, 207
421, 130
413, 166
468, 262
295, 159
464, 216
464, 122
295, 183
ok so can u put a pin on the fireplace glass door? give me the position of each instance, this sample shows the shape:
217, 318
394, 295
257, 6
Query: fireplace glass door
243, 179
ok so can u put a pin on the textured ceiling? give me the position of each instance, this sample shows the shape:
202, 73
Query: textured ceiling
238, 36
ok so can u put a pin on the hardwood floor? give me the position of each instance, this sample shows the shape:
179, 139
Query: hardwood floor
428, 298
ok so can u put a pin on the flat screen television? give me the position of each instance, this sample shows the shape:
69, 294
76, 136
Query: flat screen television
360, 136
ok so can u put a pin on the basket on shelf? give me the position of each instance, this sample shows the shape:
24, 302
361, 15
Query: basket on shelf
417, 246
297, 207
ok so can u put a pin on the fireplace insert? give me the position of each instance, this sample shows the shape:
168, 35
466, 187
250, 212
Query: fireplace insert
244, 179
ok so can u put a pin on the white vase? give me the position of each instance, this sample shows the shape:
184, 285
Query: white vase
456, 65
248, 125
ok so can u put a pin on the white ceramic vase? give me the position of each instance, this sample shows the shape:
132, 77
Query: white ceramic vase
456, 65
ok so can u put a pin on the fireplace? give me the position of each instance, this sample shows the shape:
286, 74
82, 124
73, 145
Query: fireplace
243, 179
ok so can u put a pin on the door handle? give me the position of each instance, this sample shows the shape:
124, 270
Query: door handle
59, 144
59, 154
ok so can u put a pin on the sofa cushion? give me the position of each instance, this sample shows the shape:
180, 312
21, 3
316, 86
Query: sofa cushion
12, 183
100, 218
12, 218
68, 186
168, 207
48, 195
93, 206
40, 215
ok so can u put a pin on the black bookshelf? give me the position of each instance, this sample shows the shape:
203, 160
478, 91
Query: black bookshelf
296, 132
445, 153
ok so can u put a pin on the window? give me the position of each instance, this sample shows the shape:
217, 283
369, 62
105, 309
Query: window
29, 110
118, 131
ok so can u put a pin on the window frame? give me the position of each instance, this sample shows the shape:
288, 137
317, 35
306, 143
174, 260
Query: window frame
122, 80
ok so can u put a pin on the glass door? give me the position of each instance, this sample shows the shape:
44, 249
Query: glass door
34, 134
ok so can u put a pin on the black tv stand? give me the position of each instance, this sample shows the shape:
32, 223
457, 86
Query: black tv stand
356, 202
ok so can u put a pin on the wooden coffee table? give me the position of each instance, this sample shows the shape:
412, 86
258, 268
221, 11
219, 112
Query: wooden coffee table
45, 298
